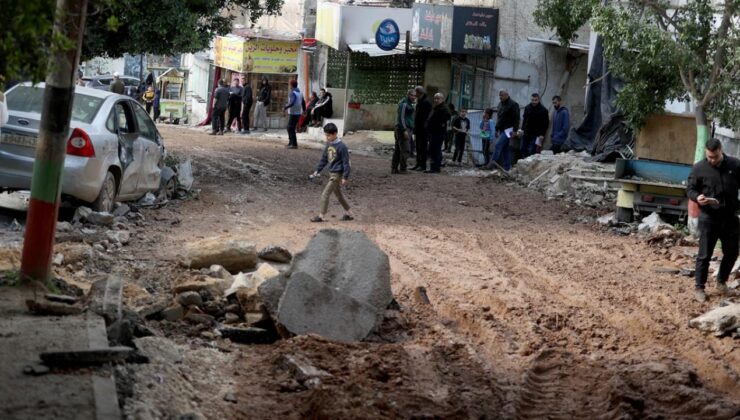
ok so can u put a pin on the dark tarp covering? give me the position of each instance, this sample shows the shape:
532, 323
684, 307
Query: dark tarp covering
613, 136
600, 102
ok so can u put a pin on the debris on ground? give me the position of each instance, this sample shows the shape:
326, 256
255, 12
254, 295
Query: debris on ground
569, 176
720, 321
234, 255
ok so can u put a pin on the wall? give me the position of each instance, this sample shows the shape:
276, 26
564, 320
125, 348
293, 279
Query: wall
437, 74
198, 89
543, 64
371, 117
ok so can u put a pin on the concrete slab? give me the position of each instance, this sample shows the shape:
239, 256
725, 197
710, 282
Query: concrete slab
310, 306
58, 394
350, 263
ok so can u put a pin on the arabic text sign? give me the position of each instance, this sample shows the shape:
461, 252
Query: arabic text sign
271, 56
431, 26
476, 30
230, 53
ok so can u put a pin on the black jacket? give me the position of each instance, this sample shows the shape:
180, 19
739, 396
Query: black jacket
508, 115
437, 122
247, 96
423, 109
717, 182
265, 93
536, 120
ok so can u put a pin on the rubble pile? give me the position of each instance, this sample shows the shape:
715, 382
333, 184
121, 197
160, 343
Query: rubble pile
569, 176
721, 321
338, 287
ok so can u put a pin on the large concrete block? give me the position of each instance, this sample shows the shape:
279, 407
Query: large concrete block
310, 306
350, 263
271, 290
719, 321
233, 254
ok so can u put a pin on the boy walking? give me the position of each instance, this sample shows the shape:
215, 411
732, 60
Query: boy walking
336, 157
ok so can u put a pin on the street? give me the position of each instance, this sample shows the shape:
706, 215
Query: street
532, 312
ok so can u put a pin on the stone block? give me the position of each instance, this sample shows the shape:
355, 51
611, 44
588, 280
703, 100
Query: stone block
233, 254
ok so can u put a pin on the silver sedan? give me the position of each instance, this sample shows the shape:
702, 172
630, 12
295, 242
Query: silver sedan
114, 151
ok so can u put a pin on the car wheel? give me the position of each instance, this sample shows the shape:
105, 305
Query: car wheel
107, 197
169, 188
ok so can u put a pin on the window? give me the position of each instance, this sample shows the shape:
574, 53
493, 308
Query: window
110, 123
125, 119
146, 126
31, 99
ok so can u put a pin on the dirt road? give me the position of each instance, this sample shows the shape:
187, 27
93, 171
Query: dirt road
533, 313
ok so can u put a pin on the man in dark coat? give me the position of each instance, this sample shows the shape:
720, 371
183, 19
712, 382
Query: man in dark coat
247, 96
437, 129
713, 184
235, 106
507, 123
220, 103
534, 126
423, 109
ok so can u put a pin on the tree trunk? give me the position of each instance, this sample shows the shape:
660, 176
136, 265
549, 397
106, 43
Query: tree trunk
702, 132
46, 184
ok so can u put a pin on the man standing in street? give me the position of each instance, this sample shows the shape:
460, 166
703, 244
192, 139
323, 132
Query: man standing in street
534, 126
403, 132
713, 184
507, 123
117, 85
246, 104
263, 101
437, 129
294, 107
423, 109
220, 102
235, 106
560, 125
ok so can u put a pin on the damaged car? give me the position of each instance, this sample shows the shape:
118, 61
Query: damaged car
114, 151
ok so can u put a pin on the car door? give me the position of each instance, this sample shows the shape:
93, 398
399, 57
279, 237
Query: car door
130, 149
152, 150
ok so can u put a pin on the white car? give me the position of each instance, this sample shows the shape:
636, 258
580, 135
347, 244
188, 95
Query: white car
114, 151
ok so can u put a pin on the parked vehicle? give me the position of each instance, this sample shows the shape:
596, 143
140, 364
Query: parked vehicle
651, 186
103, 81
114, 151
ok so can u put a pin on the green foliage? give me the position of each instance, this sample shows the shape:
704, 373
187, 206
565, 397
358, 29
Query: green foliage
164, 27
564, 16
690, 52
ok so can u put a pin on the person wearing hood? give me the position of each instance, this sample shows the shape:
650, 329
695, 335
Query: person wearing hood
263, 101
560, 125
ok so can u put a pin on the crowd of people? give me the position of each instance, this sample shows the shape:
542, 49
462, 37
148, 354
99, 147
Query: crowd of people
424, 128
145, 92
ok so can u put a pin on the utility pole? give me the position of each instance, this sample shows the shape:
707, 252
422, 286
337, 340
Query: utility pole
46, 185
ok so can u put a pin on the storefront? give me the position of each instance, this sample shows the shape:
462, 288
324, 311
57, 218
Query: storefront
276, 59
468, 36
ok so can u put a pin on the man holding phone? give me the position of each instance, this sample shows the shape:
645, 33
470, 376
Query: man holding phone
713, 184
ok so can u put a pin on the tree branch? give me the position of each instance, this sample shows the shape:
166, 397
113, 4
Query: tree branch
719, 55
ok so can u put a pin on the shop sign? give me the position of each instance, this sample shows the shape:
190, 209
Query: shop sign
258, 55
387, 35
476, 30
229, 53
431, 26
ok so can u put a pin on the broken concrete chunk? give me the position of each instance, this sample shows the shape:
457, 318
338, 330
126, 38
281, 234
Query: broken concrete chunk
233, 254
40, 307
86, 357
190, 298
105, 298
270, 292
249, 335
86, 215
64, 227
241, 281
158, 350
276, 253
249, 299
219, 272
310, 306
153, 309
654, 224
264, 272
719, 321
348, 262
173, 313
118, 236
302, 369
121, 210
215, 286
75, 252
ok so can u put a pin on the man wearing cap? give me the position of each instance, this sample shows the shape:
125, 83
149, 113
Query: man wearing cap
117, 85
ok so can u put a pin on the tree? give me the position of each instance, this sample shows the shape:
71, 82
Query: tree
665, 52
564, 16
164, 27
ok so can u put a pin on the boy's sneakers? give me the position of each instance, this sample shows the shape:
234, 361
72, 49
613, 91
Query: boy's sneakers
347, 217
317, 219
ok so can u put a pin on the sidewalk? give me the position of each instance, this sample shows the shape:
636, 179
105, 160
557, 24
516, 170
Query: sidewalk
79, 393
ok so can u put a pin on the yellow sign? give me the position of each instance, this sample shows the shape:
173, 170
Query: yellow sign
230, 53
257, 55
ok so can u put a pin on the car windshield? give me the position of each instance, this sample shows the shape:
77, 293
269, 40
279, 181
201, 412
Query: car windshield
31, 99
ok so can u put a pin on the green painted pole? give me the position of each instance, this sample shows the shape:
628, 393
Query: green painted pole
46, 184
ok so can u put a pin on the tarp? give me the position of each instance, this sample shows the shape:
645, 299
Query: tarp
612, 140
600, 102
